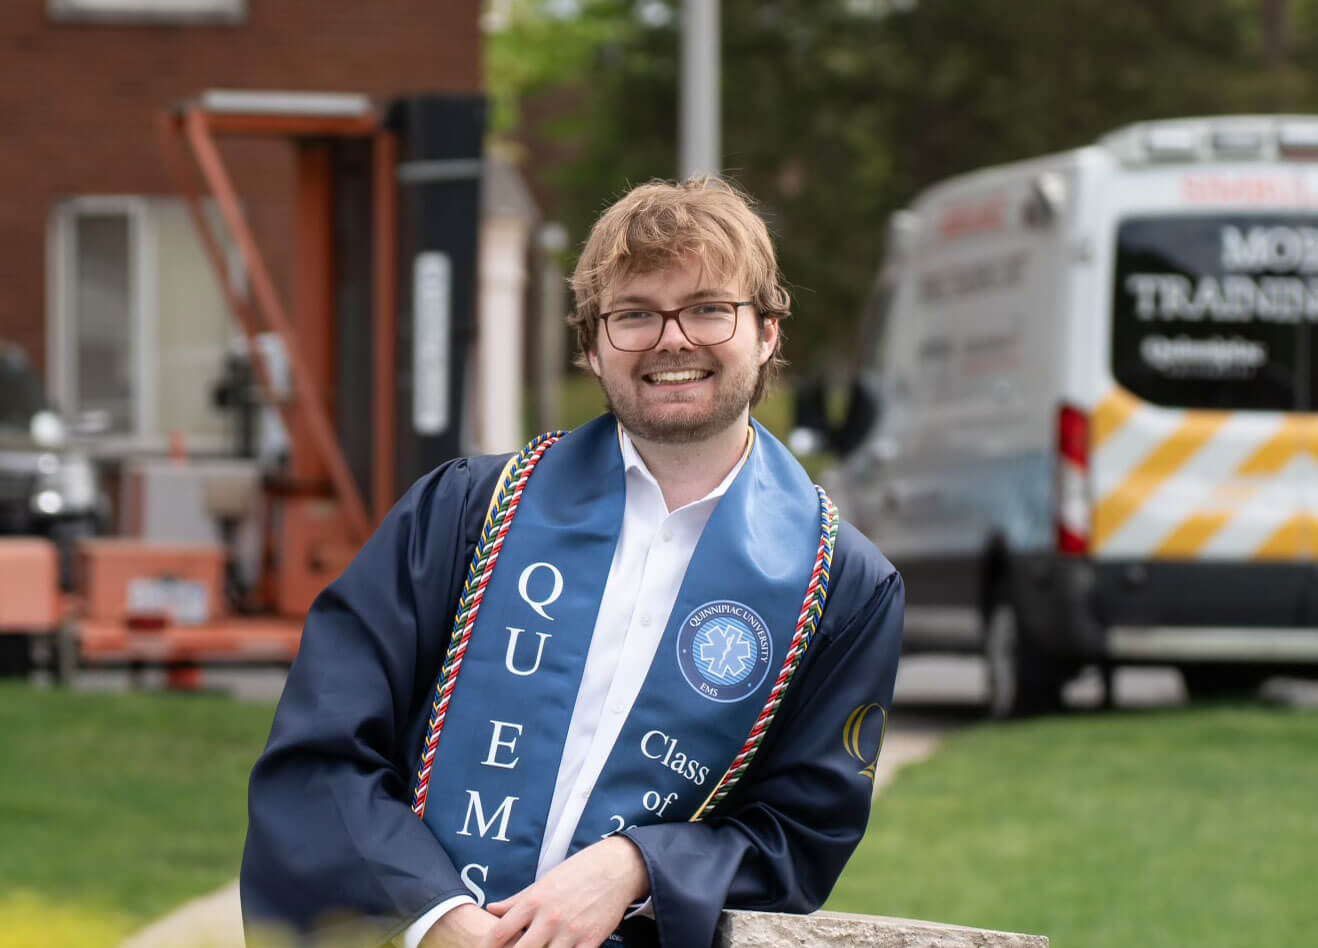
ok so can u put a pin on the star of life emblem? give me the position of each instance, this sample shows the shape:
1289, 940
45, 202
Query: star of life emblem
724, 650
725, 653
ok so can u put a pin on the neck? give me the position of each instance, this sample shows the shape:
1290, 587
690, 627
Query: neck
688, 471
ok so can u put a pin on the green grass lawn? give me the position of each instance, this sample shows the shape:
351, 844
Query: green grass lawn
1178, 828
116, 808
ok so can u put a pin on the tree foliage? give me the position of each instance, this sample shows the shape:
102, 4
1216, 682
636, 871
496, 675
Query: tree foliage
836, 112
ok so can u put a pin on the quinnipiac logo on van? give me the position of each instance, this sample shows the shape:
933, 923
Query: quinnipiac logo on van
724, 650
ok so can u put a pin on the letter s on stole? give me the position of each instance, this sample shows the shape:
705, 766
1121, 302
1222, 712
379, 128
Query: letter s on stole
851, 737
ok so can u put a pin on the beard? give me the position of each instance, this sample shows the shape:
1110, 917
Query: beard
681, 417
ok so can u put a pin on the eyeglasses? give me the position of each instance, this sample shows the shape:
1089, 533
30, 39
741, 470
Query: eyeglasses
703, 324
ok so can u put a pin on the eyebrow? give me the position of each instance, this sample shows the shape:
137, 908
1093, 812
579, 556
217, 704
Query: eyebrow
635, 300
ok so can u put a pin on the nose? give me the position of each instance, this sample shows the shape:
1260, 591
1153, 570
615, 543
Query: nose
671, 337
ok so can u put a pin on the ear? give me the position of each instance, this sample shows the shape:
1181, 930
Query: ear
768, 339
594, 362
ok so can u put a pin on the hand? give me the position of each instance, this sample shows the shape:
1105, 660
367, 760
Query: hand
577, 904
464, 926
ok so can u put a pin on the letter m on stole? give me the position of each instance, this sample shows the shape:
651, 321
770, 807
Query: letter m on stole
501, 813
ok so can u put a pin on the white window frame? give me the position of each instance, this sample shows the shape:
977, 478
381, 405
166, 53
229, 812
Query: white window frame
148, 11
61, 272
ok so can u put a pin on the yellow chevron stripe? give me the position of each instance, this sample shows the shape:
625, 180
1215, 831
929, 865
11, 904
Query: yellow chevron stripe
1289, 541
1111, 414
1122, 503
1276, 452
1191, 536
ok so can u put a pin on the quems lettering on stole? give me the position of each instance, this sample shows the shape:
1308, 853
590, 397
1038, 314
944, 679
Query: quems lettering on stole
504, 811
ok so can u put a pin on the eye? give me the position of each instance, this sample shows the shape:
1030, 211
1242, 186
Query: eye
632, 316
711, 309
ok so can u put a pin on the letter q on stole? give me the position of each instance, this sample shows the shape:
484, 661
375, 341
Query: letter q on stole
538, 605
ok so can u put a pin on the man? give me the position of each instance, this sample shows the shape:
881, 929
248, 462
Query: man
666, 684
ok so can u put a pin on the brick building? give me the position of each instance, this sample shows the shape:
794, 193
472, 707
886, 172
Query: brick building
87, 213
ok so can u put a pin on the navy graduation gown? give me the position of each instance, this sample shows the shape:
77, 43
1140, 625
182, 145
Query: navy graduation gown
331, 832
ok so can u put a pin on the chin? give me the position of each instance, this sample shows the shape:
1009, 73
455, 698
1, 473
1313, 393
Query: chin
677, 424
677, 418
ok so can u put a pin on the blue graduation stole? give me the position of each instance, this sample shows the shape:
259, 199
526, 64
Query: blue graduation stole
748, 603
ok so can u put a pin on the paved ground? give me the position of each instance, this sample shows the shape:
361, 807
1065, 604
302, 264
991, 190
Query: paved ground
212, 921
934, 695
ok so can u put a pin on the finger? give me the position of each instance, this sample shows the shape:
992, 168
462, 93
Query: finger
517, 916
495, 941
500, 907
541, 930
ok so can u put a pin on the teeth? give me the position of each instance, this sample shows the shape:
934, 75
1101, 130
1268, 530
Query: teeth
688, 375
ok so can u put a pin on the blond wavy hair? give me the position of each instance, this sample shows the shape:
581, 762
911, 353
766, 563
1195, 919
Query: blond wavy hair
659, 225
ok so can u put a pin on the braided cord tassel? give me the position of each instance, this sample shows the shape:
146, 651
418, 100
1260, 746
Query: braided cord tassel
812, 610
498, 520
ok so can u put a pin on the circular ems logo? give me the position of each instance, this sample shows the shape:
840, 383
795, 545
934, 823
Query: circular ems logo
724, 650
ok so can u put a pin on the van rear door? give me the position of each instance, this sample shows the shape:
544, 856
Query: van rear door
1206, 448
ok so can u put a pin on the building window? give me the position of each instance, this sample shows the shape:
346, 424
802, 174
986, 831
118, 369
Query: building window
101, 376
148, 11
138, 330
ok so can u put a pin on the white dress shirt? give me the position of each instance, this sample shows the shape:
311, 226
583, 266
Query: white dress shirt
649, 563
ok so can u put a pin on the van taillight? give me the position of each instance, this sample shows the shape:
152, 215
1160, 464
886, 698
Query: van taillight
1072, 486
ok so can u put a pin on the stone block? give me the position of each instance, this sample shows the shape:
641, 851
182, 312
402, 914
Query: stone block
739, 929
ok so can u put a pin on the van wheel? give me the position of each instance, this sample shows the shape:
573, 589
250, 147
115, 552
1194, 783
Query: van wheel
1207, 682
1020, 681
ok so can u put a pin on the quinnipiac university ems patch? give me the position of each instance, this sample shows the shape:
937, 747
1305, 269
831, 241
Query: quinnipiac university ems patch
724, 650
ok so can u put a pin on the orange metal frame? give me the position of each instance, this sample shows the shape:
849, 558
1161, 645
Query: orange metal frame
308, 418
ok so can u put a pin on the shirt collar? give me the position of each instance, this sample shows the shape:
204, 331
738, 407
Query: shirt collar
635, 464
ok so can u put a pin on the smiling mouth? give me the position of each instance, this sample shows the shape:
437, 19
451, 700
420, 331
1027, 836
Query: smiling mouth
676, 377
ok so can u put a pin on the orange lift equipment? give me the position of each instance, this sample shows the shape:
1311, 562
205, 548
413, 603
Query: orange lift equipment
372, 188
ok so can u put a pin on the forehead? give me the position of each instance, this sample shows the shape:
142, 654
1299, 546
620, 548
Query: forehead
674, 284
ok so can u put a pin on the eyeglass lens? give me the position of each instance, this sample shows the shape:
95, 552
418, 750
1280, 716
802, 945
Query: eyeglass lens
703, 324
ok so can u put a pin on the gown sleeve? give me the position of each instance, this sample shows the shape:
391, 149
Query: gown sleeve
331, 833
780, 840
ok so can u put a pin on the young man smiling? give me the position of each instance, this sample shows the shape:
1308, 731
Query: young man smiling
666, 699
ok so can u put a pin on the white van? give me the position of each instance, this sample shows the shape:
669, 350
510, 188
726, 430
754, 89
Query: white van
1084, 428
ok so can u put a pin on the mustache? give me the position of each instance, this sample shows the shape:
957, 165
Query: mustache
672, 365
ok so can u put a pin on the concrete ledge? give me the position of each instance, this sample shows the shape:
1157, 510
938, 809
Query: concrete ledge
738, 929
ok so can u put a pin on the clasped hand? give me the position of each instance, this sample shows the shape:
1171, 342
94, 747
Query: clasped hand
577, 904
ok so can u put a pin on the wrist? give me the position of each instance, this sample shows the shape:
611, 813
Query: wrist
633, 872
459, 927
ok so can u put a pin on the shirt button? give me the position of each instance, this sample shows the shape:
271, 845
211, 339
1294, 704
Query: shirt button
645, 620
618, 709
668, 535
585, 792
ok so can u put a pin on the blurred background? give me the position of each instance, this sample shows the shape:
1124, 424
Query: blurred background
1054, 268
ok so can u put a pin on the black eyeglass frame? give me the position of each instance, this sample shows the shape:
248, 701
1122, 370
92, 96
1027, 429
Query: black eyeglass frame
667, 314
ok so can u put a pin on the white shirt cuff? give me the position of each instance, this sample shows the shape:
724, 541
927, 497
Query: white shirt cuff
412, 934
644, 909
